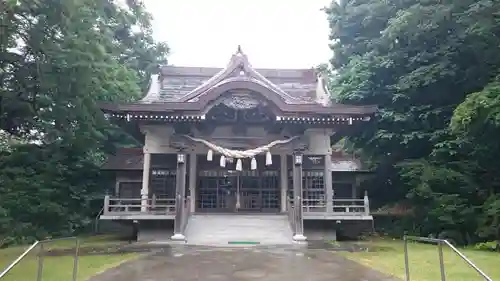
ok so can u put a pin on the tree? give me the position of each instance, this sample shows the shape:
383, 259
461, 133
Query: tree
57, 60
417, 60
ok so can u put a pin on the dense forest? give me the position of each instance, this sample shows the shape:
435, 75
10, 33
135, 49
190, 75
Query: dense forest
432, 67
57, 60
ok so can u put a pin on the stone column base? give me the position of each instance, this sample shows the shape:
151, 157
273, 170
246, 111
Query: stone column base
178, 237
299, 238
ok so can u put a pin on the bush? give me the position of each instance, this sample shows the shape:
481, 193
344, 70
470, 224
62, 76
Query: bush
488, 246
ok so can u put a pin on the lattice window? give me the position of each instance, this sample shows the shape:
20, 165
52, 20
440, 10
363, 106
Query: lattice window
313, 188
162, 183
271, 190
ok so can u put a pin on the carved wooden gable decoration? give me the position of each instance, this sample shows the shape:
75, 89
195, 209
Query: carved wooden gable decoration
240, 106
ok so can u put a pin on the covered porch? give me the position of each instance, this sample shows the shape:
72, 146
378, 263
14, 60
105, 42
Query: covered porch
210, 188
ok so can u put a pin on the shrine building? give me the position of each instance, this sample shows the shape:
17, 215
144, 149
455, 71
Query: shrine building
237, 141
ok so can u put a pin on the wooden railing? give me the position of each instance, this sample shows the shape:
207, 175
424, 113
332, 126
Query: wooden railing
339, 206
167, 206
135, 206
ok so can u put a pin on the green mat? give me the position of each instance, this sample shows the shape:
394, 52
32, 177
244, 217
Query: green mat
243, 242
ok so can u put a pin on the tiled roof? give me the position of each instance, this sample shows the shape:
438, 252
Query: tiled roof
179, 84
180, 81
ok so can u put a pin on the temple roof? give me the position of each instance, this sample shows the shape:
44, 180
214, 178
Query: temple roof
179, 81
186, 92
181, 84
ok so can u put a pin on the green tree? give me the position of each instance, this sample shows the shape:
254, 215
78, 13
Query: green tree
58, 59
418, 60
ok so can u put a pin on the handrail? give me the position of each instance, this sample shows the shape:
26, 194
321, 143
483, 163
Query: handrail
41, 257
139, 206
346, 206
440, 243
16, 261
96, 221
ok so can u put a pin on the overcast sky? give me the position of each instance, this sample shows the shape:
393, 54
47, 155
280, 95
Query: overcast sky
273, 33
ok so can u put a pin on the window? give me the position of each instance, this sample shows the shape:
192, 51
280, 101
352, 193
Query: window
162, 183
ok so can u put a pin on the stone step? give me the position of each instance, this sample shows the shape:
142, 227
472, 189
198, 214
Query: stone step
238, 230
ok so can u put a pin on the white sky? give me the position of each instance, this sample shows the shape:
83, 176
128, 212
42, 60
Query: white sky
273, 33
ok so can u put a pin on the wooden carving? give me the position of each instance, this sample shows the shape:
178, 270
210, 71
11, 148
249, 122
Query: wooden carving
240, 101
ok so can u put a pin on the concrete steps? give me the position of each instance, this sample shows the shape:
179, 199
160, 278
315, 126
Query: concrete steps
227, 230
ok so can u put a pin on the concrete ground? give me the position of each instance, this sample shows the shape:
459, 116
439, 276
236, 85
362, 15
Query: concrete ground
241, 264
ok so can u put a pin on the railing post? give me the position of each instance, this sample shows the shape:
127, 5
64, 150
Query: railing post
297, 191
75, 261
328, 183
106, 205
441, 261
299, 220
153, 201
407, 265
40, 263
180, 187
146, 170
178, 219
366, 203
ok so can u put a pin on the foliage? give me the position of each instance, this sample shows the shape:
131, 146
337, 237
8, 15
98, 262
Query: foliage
430, 67
487, 246
57, 60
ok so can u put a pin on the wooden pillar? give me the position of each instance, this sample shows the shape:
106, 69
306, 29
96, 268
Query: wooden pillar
283, 181
116, 193
297, 191
328, 183
192, 180
180, 190
145, 181
106, 205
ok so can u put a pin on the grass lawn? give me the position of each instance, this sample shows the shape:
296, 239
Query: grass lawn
60, 268
388, 257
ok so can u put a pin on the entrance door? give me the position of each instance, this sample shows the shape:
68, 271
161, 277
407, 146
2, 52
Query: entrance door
233, 191
249, 192
216, 191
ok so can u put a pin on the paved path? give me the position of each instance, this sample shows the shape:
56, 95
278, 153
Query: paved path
238, 264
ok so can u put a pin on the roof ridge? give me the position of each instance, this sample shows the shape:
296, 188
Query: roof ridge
239, 61
219, 68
